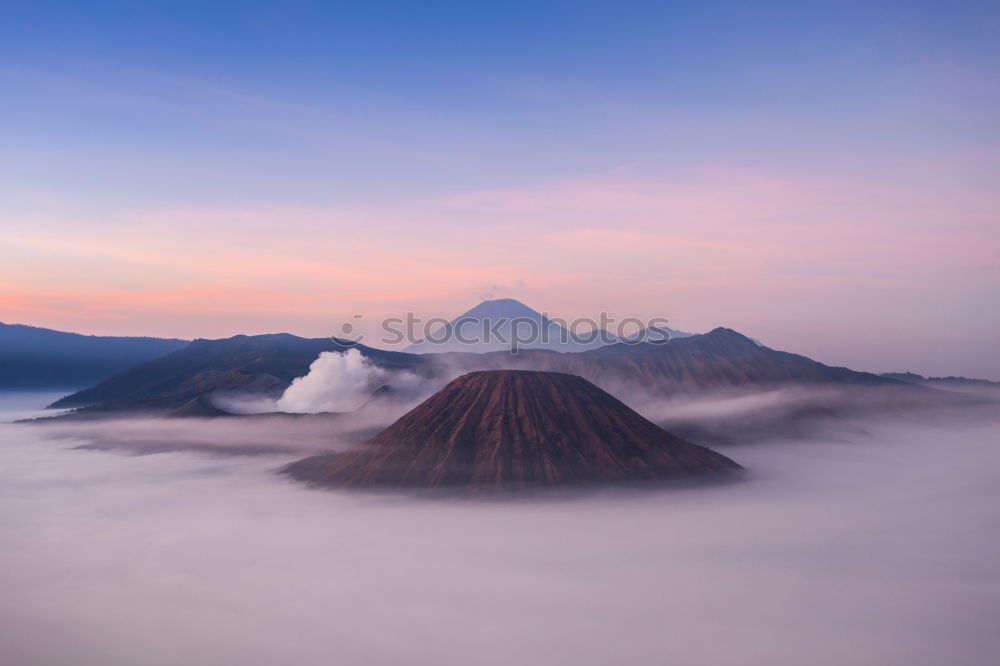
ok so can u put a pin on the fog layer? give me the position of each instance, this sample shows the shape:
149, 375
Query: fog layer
881, 551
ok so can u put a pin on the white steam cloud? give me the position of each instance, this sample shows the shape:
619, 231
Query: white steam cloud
336, 382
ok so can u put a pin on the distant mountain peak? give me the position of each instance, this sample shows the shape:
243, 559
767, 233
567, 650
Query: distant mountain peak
723, 332
502, 324
502, 307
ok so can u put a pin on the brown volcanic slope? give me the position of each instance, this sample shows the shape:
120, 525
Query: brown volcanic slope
504, 429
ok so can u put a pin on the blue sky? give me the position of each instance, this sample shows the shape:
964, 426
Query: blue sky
374, 125
383, 97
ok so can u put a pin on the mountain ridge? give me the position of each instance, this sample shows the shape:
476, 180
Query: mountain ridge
720, 360
34, 357
269, 361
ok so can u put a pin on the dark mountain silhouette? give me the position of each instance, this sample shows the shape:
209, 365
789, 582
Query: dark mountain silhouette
502, 430
256, 364
914, 378
37, 358
720, 360
656, 334
967, 385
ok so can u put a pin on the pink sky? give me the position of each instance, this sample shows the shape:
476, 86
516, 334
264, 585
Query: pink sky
874, 276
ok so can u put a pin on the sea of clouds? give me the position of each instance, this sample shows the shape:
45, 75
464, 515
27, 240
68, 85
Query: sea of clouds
884, 550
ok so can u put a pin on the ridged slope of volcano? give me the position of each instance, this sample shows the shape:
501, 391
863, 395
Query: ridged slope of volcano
720, 360
501, 429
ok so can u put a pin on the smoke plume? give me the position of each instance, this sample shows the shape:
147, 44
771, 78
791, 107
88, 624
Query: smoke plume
336, 382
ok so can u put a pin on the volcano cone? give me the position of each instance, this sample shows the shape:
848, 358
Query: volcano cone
506, 429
